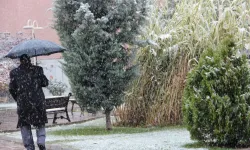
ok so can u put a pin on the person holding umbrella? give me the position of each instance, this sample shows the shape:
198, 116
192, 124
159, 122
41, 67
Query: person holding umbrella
26, 82
25, 86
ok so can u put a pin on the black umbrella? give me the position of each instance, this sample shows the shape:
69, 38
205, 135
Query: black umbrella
34, 48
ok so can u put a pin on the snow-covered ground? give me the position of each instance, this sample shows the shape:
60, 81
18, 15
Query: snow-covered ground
169, 139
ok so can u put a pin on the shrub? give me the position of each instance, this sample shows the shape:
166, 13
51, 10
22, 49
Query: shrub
3, 86
7, 41
217, 96
3, 89
56, 87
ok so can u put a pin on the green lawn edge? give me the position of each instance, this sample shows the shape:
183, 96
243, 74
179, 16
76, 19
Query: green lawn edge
96, 130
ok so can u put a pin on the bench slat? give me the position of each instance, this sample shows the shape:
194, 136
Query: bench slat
57, 104
55, 109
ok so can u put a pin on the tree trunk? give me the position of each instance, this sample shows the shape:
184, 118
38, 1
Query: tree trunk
108, 120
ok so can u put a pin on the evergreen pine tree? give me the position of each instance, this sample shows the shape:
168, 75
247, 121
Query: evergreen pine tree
98, 35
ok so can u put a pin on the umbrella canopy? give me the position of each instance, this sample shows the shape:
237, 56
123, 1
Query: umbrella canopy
34, 48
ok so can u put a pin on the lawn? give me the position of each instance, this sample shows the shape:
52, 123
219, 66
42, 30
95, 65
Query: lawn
93, 135
102, 131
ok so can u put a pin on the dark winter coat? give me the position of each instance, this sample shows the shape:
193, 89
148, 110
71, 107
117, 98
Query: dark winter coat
26, 88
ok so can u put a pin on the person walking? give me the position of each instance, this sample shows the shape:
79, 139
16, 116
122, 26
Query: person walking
26, 82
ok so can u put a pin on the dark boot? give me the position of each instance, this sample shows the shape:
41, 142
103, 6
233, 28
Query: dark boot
41, 147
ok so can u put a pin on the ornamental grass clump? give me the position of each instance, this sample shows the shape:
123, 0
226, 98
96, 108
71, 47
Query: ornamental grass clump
217, 98
177, 34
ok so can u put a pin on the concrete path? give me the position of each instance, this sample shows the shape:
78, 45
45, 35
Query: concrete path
8, 119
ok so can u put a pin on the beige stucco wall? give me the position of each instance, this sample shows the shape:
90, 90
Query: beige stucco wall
14, 15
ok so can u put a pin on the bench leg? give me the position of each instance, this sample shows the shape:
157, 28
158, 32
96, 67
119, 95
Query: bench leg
67, 116
82, 114
82, 111
72, 107
55, 117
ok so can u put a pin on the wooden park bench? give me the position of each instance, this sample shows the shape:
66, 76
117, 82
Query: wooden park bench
57, 104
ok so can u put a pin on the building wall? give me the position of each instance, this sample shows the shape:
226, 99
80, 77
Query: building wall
14, 15
53, 71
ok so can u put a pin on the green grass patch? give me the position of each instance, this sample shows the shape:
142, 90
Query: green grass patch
103, 131
203, 145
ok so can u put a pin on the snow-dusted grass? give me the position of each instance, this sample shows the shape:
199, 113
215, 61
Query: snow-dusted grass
103, 131
166, 139
98, 128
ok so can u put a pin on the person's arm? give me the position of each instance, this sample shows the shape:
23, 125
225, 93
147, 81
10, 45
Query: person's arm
44, 80
13, 86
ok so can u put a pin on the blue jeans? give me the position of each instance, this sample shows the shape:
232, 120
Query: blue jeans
27, 136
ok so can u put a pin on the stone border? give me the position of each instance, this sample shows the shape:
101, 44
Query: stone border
48, 146
53, 125
19, 142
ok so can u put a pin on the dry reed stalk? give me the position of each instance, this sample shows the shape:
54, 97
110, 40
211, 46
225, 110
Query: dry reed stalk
165, 109
156, 96
169, 110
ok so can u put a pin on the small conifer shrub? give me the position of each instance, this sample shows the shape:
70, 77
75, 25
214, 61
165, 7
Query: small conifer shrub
217, 96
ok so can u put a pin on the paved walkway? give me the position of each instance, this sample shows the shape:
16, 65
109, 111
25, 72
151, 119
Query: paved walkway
8, 119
